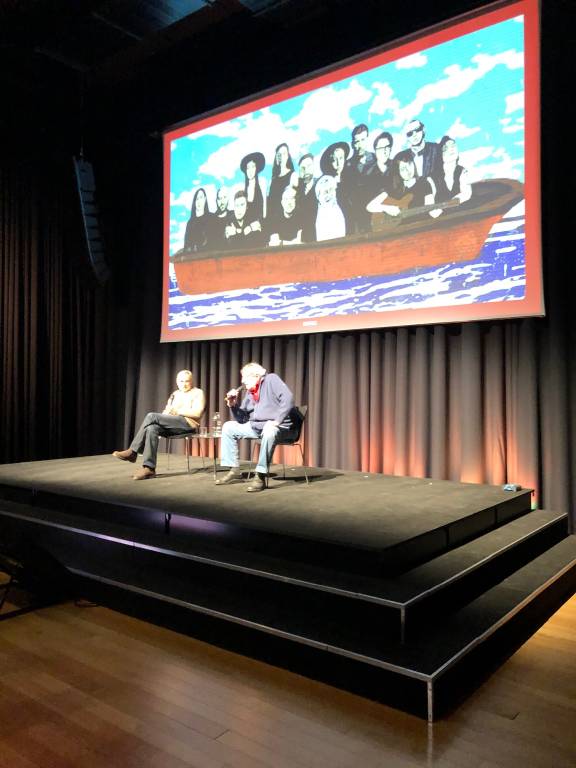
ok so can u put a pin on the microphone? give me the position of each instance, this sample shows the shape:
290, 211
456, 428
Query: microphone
234, 392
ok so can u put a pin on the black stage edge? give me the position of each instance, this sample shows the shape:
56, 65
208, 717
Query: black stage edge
411, 585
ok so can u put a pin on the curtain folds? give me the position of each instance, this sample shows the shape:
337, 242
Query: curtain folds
479, 402
487, 402
58, 346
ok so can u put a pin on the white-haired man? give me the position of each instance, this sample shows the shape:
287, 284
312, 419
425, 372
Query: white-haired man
266, 410
181, 415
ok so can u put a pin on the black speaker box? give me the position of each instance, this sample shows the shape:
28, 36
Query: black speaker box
90, 218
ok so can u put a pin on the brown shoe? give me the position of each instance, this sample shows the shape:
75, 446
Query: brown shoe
232, 476
127, 455
144, 474
258, 483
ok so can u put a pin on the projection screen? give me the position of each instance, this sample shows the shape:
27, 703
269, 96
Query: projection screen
399, 188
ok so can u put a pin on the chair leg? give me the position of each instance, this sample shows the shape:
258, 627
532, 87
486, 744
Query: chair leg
303, 464
187, 449
168, 452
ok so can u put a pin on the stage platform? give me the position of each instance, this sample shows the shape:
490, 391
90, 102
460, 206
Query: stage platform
410, 577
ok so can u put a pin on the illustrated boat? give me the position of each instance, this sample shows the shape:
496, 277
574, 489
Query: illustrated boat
412, 240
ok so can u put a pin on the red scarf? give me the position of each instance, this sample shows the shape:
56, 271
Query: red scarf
255, 391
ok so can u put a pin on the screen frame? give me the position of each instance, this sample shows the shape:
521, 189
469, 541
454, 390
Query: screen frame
533, 302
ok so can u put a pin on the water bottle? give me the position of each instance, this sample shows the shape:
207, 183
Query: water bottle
216, 424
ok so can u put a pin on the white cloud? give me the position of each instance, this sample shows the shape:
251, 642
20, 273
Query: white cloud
257, 132
264, 130
459, 130
231, 129
183, 199
457, 81
327, 107
514, 102
492, 163
472, 158
384, 100
515, 127
177, 237
415, 60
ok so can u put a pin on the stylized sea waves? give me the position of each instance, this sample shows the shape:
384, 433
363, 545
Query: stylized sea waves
498, 274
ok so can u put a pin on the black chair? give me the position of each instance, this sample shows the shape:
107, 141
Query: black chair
299, 414
187, 437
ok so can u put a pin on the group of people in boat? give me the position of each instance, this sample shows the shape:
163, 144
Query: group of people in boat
357, 190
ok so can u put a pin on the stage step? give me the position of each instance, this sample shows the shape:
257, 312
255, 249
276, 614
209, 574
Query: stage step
437, 656
324, 619
220, 575
452, 605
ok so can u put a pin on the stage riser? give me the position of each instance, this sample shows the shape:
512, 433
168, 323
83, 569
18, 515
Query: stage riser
386, 686
464, 590
282, 606
389, 561
389, 586
306, 612
399, 691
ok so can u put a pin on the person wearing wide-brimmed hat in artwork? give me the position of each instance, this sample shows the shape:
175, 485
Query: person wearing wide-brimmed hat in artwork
252, 166
333, 163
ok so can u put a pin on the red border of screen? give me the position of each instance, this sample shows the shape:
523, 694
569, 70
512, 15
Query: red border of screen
531, 305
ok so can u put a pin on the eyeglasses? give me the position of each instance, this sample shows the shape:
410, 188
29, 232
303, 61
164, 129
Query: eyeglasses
413, 131
383, 146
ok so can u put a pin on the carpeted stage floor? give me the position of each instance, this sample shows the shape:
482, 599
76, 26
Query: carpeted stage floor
361, 510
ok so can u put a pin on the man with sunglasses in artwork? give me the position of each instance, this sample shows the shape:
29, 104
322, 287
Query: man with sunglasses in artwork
424, 153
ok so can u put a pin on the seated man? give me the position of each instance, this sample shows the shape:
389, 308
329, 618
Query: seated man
266, 410
182, 414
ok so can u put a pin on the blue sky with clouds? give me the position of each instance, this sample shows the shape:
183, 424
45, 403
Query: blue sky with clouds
471, 88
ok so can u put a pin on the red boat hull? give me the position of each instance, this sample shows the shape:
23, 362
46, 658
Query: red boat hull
455, 238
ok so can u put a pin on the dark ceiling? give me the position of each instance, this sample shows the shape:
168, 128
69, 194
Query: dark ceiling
112, 67
96, 63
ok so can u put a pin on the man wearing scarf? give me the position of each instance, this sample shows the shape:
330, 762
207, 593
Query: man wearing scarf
265, 411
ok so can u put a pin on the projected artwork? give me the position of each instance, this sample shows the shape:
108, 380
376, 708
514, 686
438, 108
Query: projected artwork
398, 189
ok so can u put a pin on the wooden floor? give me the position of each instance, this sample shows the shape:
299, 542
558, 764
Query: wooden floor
86, 687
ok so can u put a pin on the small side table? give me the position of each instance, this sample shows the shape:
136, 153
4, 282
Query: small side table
215, 437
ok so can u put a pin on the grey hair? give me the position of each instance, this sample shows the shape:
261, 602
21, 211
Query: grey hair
254, 368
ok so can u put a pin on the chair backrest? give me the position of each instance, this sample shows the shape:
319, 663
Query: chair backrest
299, 417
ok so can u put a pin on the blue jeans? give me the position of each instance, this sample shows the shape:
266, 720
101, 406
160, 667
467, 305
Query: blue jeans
232, 431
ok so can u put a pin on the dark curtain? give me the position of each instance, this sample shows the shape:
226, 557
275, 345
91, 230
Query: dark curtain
488, 402
480, 402
58, 340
